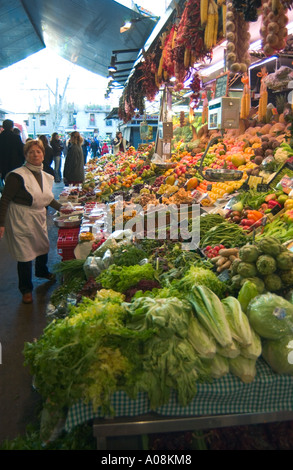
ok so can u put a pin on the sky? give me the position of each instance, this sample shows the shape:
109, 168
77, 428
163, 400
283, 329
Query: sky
37, 73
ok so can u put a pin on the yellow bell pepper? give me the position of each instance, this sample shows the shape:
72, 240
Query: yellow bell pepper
288, 204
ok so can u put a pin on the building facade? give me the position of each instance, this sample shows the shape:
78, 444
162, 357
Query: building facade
90, 121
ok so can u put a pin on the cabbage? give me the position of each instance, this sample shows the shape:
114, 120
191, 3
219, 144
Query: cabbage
167, 316
279, 354
243, 368
202, 342
238, 321
271, 316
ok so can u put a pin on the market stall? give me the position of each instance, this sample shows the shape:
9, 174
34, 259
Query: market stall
141, 326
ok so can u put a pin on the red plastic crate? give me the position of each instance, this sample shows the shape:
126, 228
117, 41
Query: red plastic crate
66, 243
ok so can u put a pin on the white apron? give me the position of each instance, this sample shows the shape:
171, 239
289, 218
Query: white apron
26, 231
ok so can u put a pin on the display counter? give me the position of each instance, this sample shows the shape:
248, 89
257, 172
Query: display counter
224, 402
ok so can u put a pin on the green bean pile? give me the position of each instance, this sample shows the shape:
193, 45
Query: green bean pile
227, 234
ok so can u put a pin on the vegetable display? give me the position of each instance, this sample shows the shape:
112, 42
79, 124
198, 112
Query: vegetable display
268, 264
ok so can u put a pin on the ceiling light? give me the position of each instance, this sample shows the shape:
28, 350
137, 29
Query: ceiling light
112, 68
127, 25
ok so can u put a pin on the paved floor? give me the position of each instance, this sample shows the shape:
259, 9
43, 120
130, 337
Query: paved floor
20, 323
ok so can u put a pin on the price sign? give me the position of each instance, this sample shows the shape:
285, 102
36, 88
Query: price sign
262, 188
222, 85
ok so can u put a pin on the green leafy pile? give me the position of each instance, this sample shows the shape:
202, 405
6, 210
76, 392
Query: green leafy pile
200, 276
86, 356
169, 359
122, 278
128, 255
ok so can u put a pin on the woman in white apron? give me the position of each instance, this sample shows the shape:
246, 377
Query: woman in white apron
23, 217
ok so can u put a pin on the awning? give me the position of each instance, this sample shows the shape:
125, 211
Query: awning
84, 33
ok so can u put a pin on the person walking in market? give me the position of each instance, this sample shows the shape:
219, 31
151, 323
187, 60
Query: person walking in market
11, 149
73, 172
57, 147
23, 217
105, 149
48, 157
120, 144
85, 147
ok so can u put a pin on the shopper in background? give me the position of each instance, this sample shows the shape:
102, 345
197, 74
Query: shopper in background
57, 147
105, 149
23, 217
120, 144
48, 157
11, 149
94, 147
85, 147
17, 131
65, 145
73, 172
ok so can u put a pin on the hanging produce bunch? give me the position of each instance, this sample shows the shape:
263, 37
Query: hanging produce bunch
263, 100
149, 69
273, 30
132, 98
249, 8
238, 40
210, 20
245, 100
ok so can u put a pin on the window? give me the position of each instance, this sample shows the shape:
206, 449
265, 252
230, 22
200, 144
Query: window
109, 122
43, 121
92, 119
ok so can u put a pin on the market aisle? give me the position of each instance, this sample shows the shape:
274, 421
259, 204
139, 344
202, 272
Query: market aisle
20, 323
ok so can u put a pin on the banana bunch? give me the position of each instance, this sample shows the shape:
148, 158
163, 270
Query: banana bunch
167, 189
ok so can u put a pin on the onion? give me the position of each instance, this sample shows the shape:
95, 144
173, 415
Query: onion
231, 57
273, 28
272, 39
230, 26
268, 50
230, 36
230, 47
235, 67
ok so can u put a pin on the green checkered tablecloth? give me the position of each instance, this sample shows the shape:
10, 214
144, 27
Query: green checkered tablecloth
269, 392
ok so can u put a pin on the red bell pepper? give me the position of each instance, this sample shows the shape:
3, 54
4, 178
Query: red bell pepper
272, 203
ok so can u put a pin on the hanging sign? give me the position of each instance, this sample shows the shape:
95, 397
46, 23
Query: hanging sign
222, 85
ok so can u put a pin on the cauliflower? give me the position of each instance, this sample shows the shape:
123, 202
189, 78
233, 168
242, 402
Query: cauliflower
281, 155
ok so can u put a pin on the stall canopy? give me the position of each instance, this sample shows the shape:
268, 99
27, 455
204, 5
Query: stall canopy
84, 32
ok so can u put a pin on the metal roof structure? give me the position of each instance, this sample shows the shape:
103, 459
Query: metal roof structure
84, 32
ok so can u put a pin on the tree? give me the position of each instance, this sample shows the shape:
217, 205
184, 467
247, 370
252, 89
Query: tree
57, 108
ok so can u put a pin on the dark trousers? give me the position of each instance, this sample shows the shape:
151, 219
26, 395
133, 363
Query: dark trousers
24, 270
